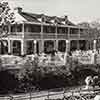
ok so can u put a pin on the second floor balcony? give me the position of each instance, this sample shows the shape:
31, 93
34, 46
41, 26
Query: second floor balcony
46, 32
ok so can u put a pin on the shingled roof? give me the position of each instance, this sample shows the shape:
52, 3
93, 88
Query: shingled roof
31, 17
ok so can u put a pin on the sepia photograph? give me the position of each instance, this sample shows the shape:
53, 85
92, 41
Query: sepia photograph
49, 50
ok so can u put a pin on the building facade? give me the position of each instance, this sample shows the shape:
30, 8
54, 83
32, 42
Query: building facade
36, 33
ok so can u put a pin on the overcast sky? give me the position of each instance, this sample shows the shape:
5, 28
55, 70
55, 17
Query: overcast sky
77, 10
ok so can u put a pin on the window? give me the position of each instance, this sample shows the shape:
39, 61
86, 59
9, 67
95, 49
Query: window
61, 30
13, 28
19, 28
32, 28
74, 31
49, 29
30, 47
16, 28
62, 45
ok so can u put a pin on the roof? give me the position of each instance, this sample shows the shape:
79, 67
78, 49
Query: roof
29, 17
38, 18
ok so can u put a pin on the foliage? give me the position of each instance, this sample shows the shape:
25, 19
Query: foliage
33, 77
45, 77
6, 18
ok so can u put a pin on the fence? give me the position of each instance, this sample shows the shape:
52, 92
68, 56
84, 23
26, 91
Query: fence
54, 95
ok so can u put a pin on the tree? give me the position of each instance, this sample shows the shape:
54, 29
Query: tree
95, 24
84, 24
6, 18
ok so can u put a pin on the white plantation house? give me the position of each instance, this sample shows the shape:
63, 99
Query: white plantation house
24, 33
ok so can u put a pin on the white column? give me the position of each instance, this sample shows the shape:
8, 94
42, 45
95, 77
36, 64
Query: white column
94, 45
42, 41
56, 45
56, 41
23, 30
22, 47
67, 45
66, 53
35, 46
9, 41
9, 46
69, 33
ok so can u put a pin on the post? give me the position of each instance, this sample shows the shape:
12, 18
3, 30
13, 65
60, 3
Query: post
23, 30
42, 41
9, 42
67, 50
9, 46
56, 34
94, 49
67, 46
94, 45
68, 32
56, 45
78, 42
35, 46
22, 47
87, 45
79, 33
78, 45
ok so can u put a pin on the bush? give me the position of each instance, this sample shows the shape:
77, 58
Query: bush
40, 77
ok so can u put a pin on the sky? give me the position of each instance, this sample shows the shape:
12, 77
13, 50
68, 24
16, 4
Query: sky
76, 10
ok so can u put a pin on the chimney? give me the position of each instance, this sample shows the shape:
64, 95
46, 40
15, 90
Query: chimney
66, 19
43, 18
55, 19
18, 9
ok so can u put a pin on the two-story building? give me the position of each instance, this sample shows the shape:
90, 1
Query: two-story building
35, 33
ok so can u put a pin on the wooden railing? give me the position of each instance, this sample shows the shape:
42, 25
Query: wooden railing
53, 35
73, 36
15, 34
31, 35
